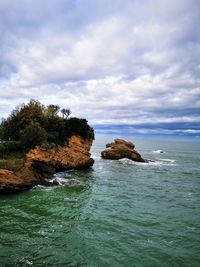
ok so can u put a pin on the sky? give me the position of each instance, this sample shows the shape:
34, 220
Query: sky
127, 66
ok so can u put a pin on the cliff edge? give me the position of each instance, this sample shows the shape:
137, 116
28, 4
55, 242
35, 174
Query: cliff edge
41, 163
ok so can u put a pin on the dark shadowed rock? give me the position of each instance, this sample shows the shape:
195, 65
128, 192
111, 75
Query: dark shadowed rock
120, 149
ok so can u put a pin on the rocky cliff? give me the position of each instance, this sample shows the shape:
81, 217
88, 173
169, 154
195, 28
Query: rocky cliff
121, 149
41, 163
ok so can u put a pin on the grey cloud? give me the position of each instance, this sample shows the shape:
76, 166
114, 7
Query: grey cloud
109, 42
110, 61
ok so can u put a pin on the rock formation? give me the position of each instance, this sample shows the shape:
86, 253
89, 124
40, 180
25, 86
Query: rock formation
41, 163
121, 149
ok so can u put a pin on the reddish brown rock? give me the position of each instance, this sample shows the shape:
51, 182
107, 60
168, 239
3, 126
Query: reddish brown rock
41, 164
121, 149
75, 155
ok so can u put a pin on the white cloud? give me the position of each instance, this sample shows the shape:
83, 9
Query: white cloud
132, 63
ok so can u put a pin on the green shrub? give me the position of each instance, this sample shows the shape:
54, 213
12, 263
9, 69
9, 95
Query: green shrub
52, 137
33, 135
2, 148
11, 149
76, 126
12, 146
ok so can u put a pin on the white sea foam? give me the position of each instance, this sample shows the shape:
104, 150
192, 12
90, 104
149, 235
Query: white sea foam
160, 162
44, 187
26, 262
59, 181
96, 156
39, 186
169, 160
29, 262
158, 151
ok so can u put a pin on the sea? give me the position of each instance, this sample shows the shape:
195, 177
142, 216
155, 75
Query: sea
116, 214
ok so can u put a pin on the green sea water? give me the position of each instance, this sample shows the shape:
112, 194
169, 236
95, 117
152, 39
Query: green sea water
118, 213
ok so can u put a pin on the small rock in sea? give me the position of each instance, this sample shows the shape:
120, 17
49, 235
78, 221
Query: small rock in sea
121, 149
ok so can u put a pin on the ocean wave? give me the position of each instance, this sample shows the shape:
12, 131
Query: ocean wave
96, 156
169, 160
160, 162
59, 181
158, 151
44, 187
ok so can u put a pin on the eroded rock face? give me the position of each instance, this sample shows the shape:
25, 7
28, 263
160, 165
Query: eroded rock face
74, 155
41, 164
121, 149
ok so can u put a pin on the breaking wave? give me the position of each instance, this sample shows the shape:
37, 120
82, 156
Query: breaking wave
159, 162
158, 151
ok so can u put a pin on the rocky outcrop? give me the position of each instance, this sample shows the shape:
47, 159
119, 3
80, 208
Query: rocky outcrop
121, 149
42, 163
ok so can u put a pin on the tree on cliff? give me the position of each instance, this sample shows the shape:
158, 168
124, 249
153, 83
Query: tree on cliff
34, 123
52, 111
20, 117
66, 112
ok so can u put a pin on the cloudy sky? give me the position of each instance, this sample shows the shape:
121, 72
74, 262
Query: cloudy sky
126, 65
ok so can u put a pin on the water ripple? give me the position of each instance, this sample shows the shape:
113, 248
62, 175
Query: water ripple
119, 213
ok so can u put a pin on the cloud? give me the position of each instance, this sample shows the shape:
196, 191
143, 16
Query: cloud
113, 62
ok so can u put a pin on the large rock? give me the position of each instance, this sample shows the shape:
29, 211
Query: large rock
42, 163
121, 149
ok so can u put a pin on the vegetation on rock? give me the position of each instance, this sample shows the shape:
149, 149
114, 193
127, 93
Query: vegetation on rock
34, 124
11, 150
33, 135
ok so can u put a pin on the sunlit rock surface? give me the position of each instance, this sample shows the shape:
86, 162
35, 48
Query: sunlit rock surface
42, 163
120, 149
